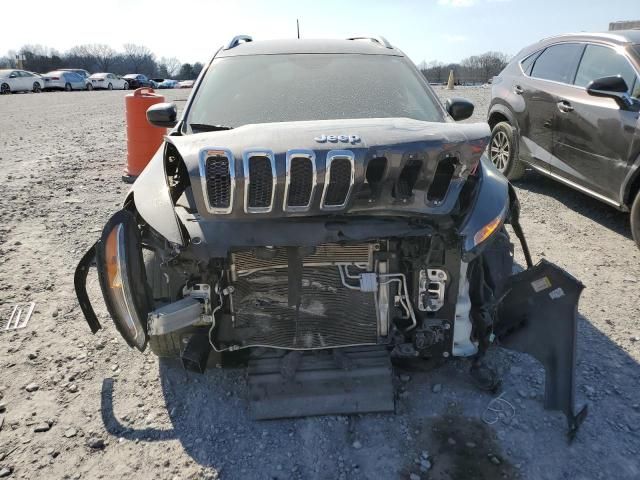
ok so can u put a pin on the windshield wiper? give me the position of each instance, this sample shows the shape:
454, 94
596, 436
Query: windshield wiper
203, 127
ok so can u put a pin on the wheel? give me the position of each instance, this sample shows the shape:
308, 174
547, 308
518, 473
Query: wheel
36, 87
164, 291
503, 151
126, 86
635, 219
89, 87
109, 87
5, 89
67, 87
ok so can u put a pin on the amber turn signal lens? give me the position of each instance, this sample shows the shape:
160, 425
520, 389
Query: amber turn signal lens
488, 230
119, 287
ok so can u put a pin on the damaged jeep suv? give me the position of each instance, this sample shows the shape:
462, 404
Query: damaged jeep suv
317, 212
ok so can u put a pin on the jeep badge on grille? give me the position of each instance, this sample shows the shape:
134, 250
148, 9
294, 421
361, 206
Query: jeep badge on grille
337, 138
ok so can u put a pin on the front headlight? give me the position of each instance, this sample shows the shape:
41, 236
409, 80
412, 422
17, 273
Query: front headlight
122, 278
486, 231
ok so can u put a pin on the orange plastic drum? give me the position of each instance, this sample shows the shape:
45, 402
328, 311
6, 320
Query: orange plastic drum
143, 139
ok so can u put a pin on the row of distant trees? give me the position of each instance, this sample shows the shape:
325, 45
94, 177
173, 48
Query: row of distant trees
98, 57
134, 58
471, 70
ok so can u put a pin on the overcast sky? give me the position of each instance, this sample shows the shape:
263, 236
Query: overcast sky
191, 30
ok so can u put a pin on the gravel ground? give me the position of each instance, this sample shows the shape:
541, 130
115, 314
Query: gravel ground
81, 406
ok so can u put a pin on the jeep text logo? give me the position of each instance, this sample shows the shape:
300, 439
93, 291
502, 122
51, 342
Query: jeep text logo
337, 138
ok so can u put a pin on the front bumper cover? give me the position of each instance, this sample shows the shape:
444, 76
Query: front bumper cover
538, 315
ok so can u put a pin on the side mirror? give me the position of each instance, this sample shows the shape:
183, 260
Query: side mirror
459, 108
163, 115
611, 87
13, 75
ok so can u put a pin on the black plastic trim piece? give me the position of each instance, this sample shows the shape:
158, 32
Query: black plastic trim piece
80, 284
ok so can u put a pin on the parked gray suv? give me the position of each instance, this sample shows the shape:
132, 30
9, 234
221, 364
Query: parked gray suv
316, 212
568, 107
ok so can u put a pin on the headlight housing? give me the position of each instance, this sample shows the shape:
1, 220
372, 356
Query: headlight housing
122, 278
489, 229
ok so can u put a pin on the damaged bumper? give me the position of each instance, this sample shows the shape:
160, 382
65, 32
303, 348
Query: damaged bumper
534, 312
538, 315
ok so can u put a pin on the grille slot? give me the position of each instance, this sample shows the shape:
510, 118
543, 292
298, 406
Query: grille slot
407, 179
218, 175
442, 179
300, 181
259, 186
338, 181
329, 314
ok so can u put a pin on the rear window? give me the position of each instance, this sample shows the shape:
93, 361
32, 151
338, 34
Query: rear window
528, 62
558, 62
298, 87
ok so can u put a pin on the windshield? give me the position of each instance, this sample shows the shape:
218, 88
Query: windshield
283, 88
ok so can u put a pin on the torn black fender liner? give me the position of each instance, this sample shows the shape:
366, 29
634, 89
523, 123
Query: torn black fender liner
80, 284
357, 380
538, 315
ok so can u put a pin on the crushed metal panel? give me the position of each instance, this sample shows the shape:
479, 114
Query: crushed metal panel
18, 318
538, 316
353, 380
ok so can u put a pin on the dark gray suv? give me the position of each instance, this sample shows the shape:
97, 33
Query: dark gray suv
568, 107
316, 213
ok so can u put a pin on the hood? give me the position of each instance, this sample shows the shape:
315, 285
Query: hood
380, 166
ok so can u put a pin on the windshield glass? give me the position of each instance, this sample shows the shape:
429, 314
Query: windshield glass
283, 88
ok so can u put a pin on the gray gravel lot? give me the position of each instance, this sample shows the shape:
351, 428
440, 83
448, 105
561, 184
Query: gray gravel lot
81, 406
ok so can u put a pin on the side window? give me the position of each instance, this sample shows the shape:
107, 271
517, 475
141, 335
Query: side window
528, 62
599, 61
558, 62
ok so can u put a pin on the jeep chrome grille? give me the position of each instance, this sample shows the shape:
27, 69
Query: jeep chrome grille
218, 177
301, 180
260, 181
218, 174
339, 178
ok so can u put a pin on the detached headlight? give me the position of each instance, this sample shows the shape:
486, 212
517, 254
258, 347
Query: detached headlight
122, 278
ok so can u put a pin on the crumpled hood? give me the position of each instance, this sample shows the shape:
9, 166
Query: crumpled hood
412, 151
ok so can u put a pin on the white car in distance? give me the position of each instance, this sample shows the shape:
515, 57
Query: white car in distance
19, 81
108, 81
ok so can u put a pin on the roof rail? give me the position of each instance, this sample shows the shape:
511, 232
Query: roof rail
380, 40
235, 41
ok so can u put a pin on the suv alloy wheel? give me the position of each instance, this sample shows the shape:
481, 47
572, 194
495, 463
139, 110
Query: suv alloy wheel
503, 151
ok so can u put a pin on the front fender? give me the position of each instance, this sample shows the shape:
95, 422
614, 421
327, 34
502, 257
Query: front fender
152, 199
490, 202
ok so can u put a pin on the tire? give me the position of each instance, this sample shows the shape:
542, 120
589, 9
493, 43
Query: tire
36, 87
635, 219
503, 151
67, 87
89, 87
125, 86
169, 345
109, 87
5, 89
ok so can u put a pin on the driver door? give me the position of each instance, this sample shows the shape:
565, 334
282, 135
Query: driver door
594, 136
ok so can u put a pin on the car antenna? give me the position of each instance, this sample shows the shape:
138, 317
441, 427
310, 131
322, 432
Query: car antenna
298, 27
